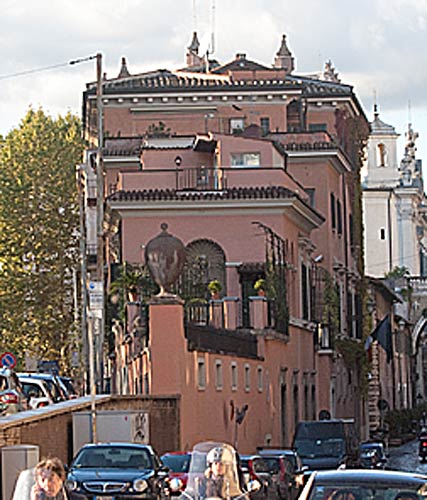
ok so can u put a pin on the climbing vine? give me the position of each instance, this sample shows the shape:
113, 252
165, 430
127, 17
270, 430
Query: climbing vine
355, 359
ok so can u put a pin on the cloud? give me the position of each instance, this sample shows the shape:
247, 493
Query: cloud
372, 43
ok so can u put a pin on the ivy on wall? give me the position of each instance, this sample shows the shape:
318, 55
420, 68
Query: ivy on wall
355, 359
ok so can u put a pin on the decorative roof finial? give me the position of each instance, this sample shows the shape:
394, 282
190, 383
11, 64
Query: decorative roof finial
329, 73
284, 59
124, 70
194, 45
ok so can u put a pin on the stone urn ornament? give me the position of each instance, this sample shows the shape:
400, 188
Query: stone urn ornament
165, 258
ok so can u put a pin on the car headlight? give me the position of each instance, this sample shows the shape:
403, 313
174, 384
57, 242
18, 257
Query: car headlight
71, 484
140, 485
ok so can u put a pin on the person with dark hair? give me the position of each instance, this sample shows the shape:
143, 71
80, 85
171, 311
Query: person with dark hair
49, 476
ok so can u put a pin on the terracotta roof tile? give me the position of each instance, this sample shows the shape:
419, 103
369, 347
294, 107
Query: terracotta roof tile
269, 192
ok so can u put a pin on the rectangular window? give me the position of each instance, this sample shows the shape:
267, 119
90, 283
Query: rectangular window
265, 126
304, 291
234, 376
218, 374
317, 127
382, 234
339, 217
260, 378
333, 218
312, 196
201, 373
237, 125
245, 159
247, 378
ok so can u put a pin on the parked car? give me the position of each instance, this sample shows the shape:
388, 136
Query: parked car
117, 470
361, 484
55, 390
299, 472
12, 398
372, 455
178, 463
36, 391
254, 468
67, 386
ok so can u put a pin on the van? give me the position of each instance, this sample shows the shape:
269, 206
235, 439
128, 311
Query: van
327, 444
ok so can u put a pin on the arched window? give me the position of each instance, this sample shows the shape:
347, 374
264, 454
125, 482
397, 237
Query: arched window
382, 155
205, 261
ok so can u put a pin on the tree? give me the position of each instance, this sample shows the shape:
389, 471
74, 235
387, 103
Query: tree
38, 234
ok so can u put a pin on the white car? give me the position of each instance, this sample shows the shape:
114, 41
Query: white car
36, 391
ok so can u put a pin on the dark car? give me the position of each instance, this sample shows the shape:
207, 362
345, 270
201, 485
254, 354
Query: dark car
298, 471
362, 484
327, 444
178, 463
116, 470
281, 471
372, 455
253, 467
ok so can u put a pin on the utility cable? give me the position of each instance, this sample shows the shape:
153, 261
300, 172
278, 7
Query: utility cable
47, 68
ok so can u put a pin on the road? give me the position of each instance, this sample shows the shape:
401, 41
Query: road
405, 458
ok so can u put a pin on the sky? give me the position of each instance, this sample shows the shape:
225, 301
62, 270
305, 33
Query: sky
378, 46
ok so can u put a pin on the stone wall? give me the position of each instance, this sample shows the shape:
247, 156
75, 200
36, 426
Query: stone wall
51, 428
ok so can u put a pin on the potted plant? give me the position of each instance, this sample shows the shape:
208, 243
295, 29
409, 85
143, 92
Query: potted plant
128, 282
215, 288
260, 286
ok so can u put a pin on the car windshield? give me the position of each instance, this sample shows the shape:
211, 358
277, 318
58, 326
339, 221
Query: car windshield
69, 385
177, 463
321, 448
53, 389
360, 492
273, 464
112, 457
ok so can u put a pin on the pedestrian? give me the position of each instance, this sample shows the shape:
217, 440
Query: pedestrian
49, 480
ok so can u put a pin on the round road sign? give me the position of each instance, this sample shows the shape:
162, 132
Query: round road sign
8, 360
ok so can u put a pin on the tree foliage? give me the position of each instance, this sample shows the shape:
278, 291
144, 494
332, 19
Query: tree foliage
38, 234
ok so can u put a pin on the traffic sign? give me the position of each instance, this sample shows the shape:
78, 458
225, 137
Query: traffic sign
96, 295
8, 360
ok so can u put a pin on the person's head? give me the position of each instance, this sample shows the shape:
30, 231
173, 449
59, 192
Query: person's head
215, 460
50, 474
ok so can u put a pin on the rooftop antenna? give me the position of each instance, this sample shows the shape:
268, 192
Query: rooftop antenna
194, 16
212, 48
409, 112
375, 104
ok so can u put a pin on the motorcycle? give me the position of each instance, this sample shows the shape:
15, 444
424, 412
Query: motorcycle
200, 476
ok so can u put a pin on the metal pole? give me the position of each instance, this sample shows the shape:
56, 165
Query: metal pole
92, 378
96, 322
100, 215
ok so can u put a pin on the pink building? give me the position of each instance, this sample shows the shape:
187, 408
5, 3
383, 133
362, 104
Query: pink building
256, 171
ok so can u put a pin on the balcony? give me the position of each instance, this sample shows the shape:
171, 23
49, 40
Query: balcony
201, 178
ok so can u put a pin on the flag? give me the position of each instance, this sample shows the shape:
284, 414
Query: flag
382, 334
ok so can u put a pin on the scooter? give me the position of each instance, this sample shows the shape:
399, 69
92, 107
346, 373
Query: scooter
203, 456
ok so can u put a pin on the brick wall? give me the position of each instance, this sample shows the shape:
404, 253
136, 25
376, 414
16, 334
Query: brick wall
50, 428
